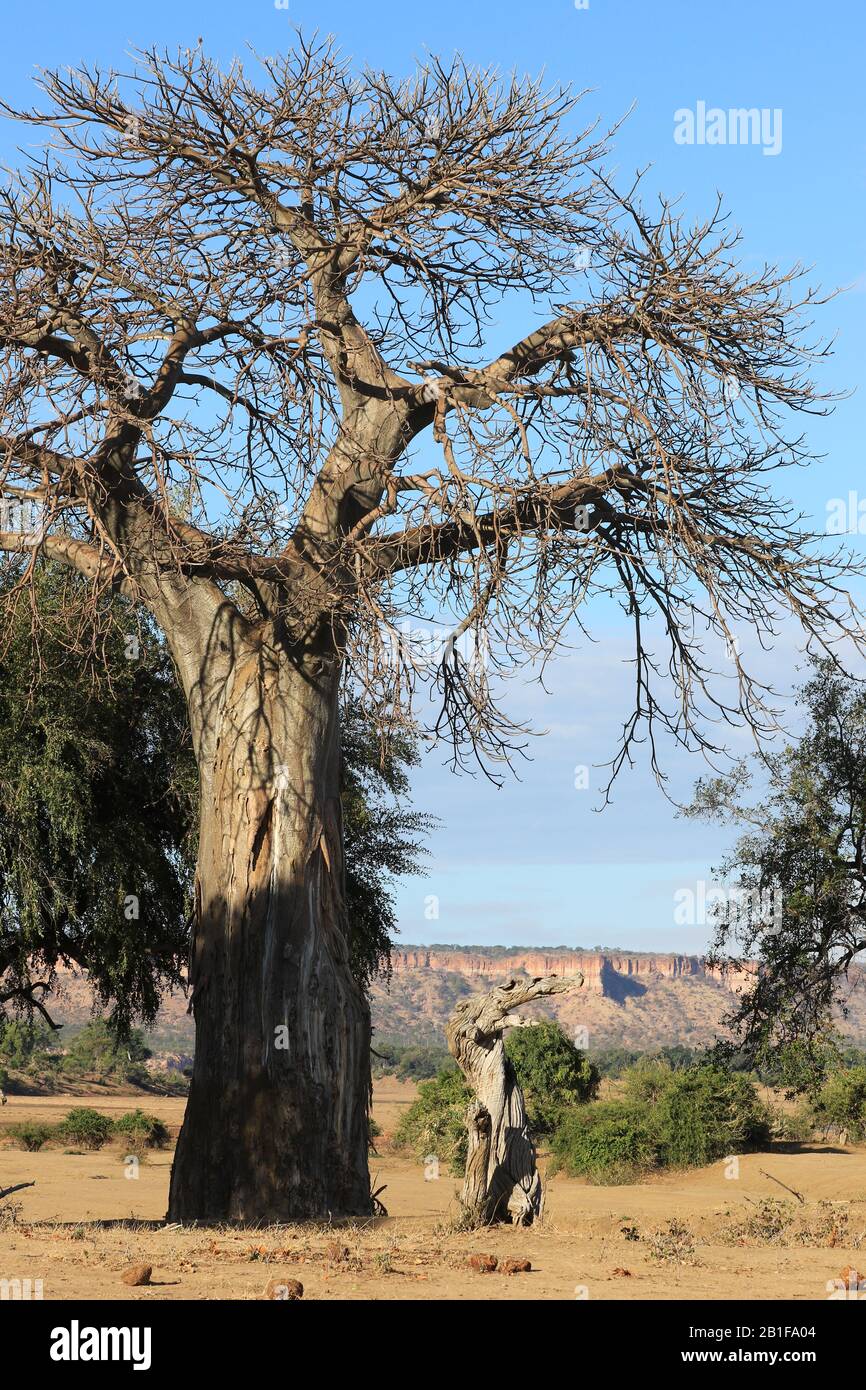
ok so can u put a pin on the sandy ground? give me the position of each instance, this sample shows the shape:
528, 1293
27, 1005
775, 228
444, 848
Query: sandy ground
595, 1242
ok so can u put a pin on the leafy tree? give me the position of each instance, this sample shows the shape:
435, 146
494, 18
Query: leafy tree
97, 1049
99, 813
841, 1101
265, 295
97, 802
677, 1056
613, 1061
647, 1080
552, 1072
800, 869
23, 1043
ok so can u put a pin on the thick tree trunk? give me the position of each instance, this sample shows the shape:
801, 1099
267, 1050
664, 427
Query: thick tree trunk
502, 1182
276, 1126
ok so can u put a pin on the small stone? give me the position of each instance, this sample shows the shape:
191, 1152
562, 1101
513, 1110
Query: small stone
515, 1265
484, 1264
284, 1290
136, 1275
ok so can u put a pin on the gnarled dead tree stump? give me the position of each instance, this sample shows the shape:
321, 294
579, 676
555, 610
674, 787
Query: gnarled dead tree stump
502, 1181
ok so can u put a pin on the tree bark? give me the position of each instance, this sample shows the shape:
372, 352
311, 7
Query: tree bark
474, 1197
502, 1181
276, 1126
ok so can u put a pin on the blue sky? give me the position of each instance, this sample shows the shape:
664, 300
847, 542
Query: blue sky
533, 862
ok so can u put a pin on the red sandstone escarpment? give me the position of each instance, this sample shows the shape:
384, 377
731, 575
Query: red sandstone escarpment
611, 974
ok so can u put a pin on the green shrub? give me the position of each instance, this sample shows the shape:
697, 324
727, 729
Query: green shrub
30, 1136
646, 1081
553, 1073
608, 1142
684, 1118
86, 1128
841, 1101
705, 1113
141, 1129
435, 1122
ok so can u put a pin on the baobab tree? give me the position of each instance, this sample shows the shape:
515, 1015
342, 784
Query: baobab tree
252, 377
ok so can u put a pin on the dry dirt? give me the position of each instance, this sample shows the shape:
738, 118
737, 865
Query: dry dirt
85, 1222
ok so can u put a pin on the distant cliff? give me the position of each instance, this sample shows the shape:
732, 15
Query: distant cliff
629, 998
604, 972
634, 999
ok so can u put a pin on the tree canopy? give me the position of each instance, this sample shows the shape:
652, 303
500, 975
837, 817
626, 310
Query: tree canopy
264, 288
799, 912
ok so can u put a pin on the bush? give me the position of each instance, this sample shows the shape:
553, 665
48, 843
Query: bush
142, 1130
85, 1127
608, 1142
553, 1073
646, 1082
705, 1113
435, 1122
841, 1101
684, 1118
30, 1136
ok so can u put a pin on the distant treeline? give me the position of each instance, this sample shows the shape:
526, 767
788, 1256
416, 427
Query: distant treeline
412, 1062
35, 1054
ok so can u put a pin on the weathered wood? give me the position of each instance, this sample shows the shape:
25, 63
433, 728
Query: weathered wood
502, 1181
474, 1196
7, 1191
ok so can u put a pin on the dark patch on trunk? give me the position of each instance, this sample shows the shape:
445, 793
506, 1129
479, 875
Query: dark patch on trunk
261, 832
